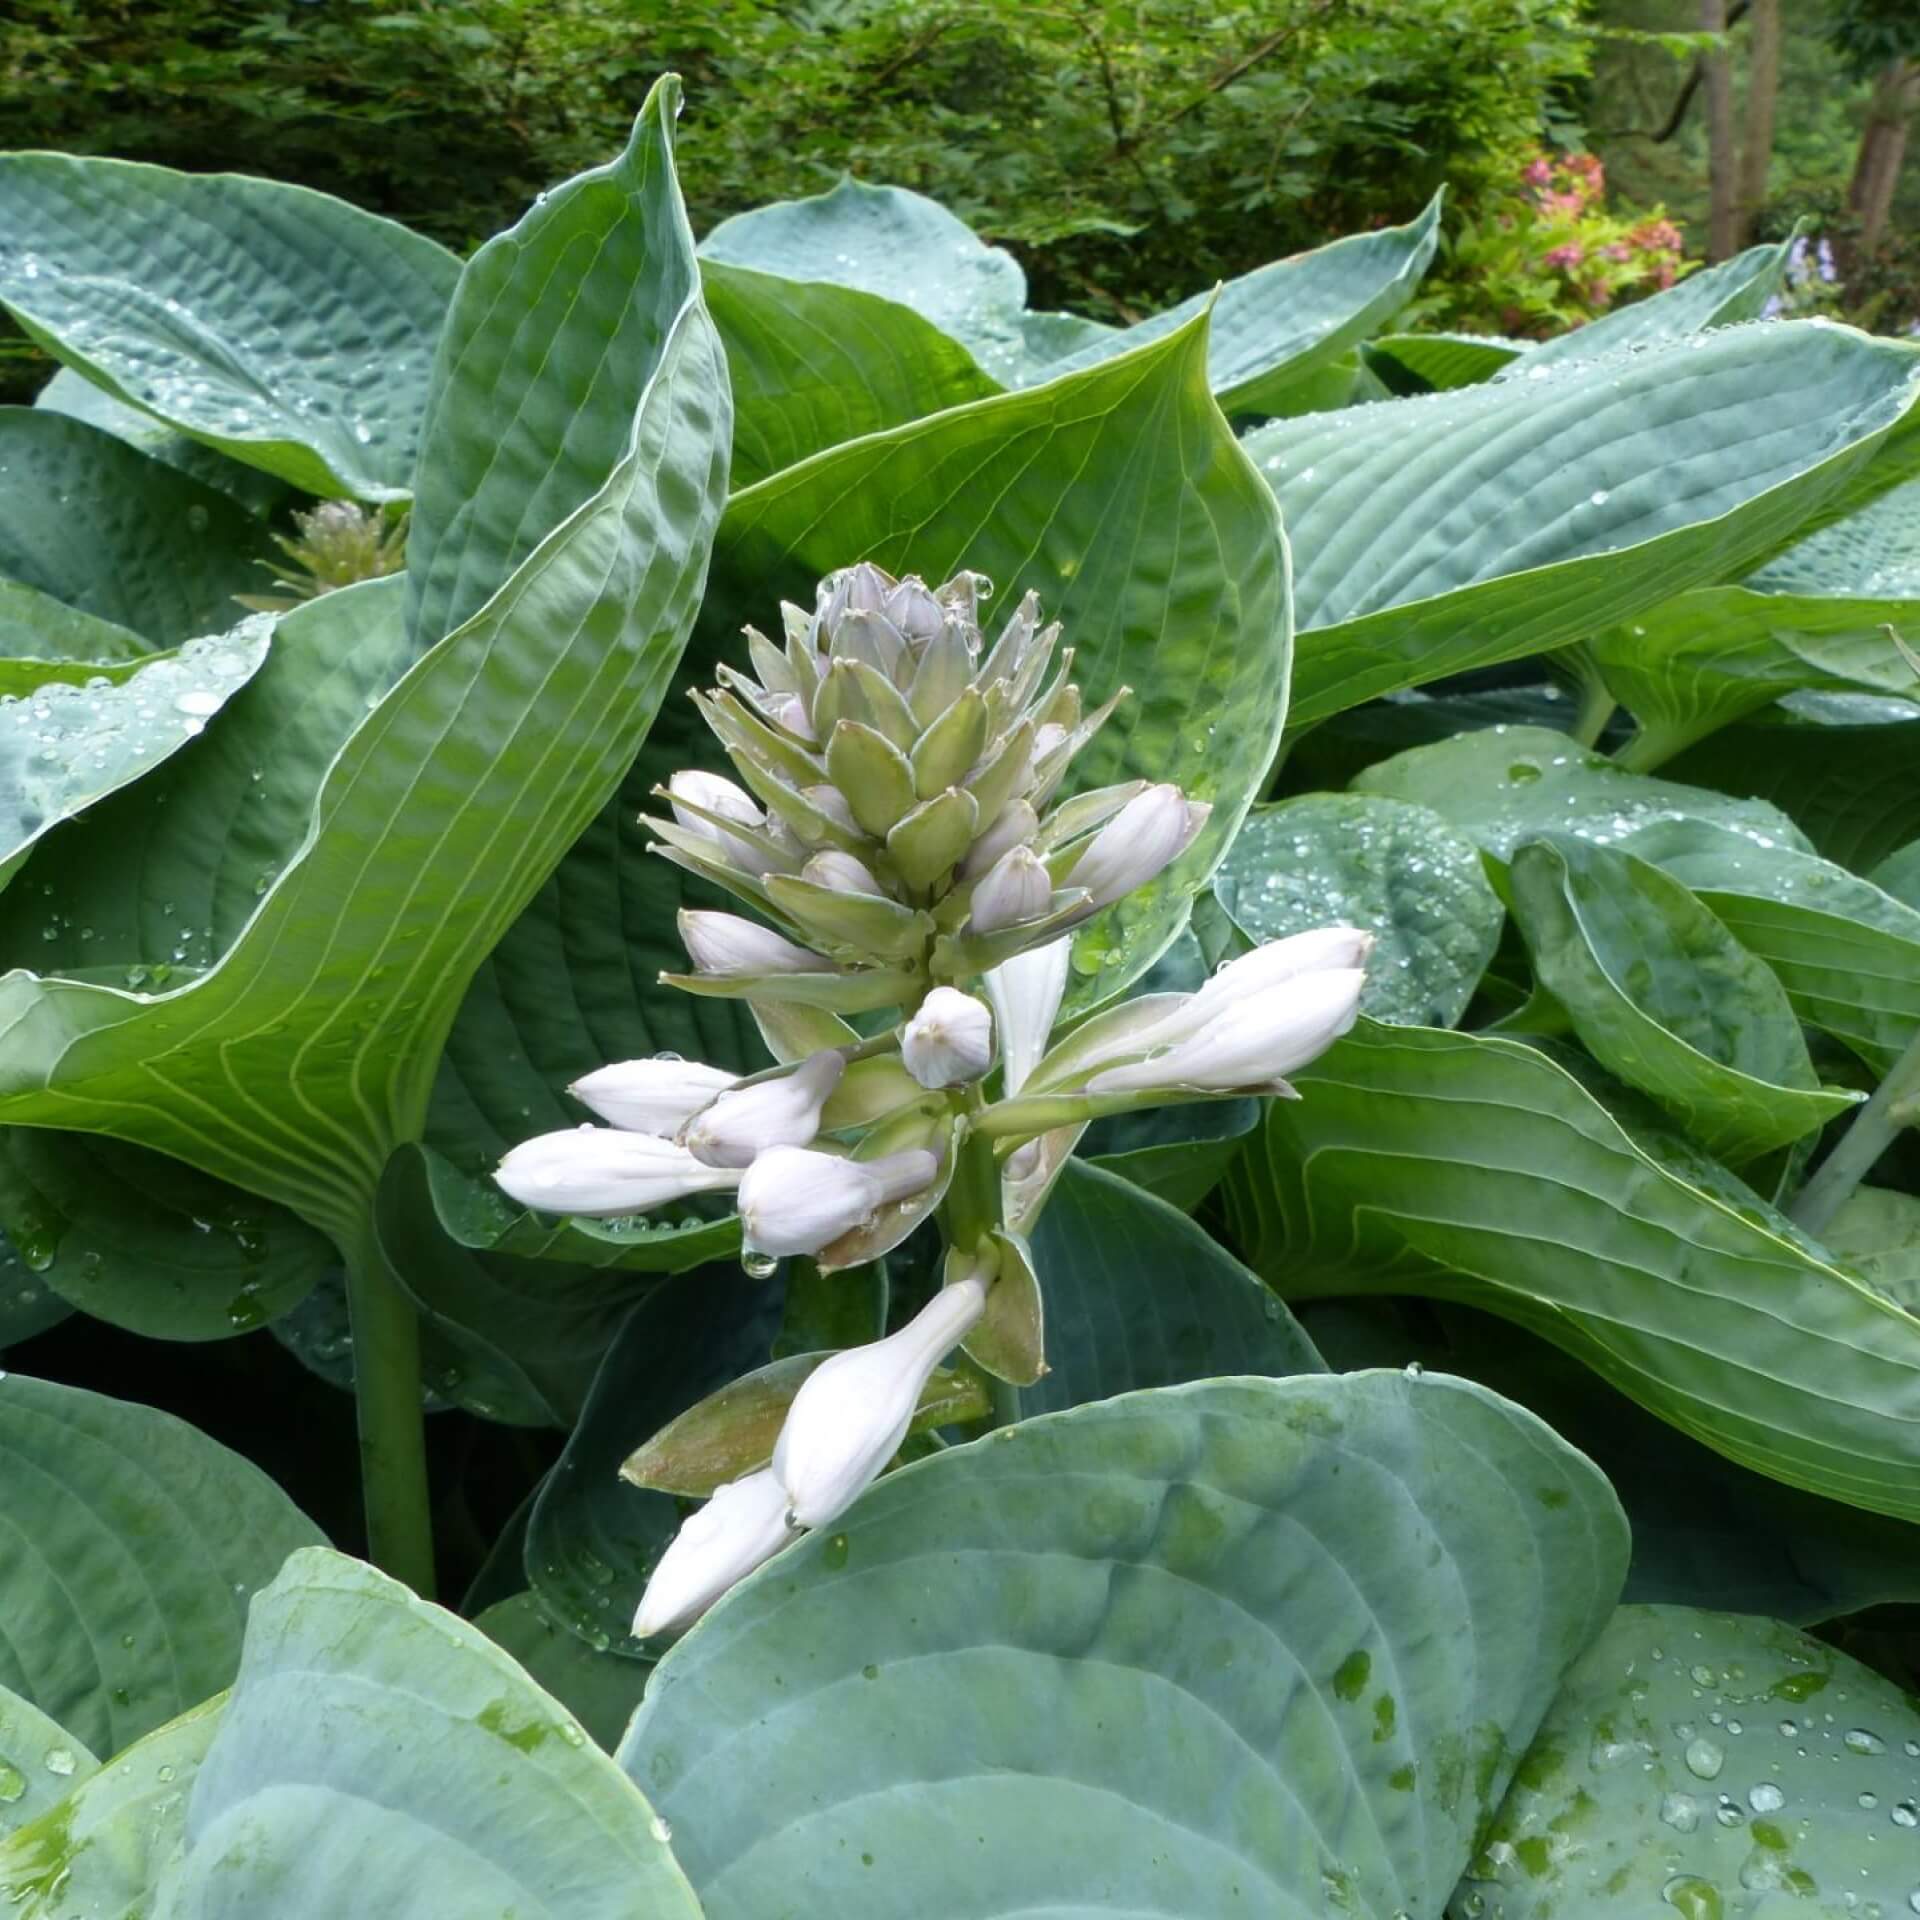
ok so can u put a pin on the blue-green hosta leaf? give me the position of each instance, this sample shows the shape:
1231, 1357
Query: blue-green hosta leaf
1847, 953
99, 1850
813, 364
1459, 529
1503, 784
1705, 658
1397, 869
76, 396
305, 1052
145, 1243
44, 639
600, 1690
1284, 322
107, 531
1848, 785
1136, 1295
27, 1304
277, 324
1899, 874
1477, 1170
131, 1546
1245, 1646
1412, 363
312, 1798
1878, 1230
1714, 1764
1665, 997
40, 1763
63, 748
1875, 551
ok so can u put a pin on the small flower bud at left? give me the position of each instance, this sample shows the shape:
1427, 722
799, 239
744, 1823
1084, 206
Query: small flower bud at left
1018, 889
771, 1113
950, 1040
1152, 830
741, 1527
603, 1172
1254, 1043
650, 1096
852, 1411
796, 1201
727, 943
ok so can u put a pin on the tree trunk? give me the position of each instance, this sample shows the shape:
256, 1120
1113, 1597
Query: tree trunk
1763, 88
1722, 183
1883, 149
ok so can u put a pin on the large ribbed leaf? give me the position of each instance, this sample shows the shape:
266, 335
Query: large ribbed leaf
1875, 551
42, 639
1713, 1765
1502, 785
1847, 953
99, 1850
378, 1755
1705, 658
1359, 860
1281, 323
107, 531
1436, 362
306, 1050
40, 1762
145, 1243
1242, 1647
1137, 1295
130, 1546
813, 364
1667, 999
1477, 1170
600, 1690
282, 326
1459, 529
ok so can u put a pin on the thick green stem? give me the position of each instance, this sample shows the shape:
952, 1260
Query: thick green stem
1650, 748
1895, 1104
393, 1433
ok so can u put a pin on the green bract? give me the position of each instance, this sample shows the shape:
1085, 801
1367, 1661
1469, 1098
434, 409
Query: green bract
743, 868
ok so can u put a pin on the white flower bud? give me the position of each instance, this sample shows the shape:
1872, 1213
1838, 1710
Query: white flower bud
833, 803
741, 1527
842, 872
1019, 888
1152, 830
790, 711
949, 1041
1017, 824
1025, 992
650, 1096
852, 1411
1255, 974
771, 1113
719, 796
1254, 1043
727, 943
796, 1201
603, 1172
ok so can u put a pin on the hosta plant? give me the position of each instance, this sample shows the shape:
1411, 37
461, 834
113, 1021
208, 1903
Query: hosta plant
1088, 1120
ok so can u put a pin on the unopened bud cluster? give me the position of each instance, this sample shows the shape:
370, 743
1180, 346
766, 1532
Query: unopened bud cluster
896, 830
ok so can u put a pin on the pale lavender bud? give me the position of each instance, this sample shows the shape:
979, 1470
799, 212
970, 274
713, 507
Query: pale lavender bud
603, 1172
1025, 992
741, 1527
726, 943
1152, 830
833, 803
1018, 889
650, 1096
852, 1412
1017, 824
771, 1113
793, 1200
1253, 1043
842, 872
949, 1041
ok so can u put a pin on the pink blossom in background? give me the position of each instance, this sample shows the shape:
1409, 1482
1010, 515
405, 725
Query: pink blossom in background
1568, 256
1538, 173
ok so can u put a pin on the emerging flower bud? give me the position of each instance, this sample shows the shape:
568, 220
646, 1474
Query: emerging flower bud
1025, 992
743, 1525
1152, 830
852, 1412
771, 1113
949, 1041
1017, 823
1256, 974
842, 872
602, 1172
692, 788
1254, 1043
1019, 888
727, 943
650, 1096
796, 1201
